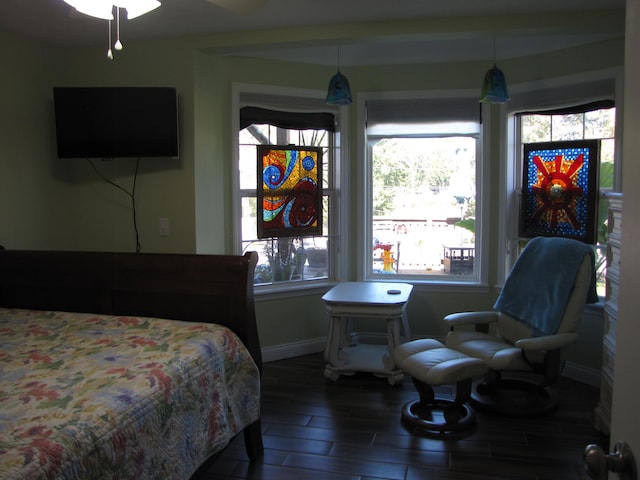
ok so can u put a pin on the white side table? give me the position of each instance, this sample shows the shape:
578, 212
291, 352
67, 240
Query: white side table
343, 354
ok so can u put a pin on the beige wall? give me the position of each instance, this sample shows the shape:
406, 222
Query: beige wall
33, 189
47, 202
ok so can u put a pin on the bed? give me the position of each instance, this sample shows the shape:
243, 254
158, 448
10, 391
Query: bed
123, 365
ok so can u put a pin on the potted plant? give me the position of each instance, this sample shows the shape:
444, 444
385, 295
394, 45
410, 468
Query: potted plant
286, 258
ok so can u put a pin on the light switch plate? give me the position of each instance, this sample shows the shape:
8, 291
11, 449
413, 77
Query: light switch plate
164, 227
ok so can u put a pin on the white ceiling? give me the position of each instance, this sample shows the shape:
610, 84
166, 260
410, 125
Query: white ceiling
56, 22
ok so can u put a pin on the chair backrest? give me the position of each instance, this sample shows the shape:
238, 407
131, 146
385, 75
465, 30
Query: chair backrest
512, 329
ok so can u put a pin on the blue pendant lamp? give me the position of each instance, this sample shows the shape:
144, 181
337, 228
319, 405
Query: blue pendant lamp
494, 86
339, 91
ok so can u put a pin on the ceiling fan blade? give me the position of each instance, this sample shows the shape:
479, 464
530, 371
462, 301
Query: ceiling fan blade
239, 6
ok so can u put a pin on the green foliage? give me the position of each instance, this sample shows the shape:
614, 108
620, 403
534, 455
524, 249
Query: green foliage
606, 182
401, 164
467, 224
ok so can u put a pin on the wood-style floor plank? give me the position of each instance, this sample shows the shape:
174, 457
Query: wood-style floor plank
350, 430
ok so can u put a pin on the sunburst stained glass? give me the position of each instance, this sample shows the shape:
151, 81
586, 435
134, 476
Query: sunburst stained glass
289, 191
560, 190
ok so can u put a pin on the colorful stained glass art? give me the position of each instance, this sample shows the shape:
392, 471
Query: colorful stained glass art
560, 190
289, 191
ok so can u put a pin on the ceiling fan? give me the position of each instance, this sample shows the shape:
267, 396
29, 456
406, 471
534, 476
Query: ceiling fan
239, 6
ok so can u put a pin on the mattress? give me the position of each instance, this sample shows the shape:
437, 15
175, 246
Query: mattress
97, 396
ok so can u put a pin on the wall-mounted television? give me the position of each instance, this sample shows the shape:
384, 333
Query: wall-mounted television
110, 122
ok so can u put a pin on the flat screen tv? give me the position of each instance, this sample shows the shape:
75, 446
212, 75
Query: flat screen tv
110, 122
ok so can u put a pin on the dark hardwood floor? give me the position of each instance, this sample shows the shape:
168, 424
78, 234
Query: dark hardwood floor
350, 430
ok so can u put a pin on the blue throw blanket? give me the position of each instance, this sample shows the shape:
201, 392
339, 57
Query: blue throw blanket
538, 288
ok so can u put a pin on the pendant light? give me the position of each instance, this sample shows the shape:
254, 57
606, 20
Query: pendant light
494, 86
339, 91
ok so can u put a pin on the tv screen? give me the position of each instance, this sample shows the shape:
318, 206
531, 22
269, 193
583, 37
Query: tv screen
109, 122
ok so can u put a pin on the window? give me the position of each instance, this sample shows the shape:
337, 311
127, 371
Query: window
286, 260
590, 121
423, 156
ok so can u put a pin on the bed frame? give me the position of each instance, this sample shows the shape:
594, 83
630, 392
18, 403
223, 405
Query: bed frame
200, 288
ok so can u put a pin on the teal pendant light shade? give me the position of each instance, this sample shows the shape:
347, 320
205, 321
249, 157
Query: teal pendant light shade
339, 91
494, 87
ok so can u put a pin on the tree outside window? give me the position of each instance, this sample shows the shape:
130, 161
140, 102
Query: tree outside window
423, 204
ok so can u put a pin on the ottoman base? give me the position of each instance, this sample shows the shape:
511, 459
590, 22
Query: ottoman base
430, 363
436, 415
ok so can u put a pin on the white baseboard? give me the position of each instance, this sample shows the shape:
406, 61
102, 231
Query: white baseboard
294, 349
579, 373
314, 345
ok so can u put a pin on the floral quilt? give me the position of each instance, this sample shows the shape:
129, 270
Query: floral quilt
85, 396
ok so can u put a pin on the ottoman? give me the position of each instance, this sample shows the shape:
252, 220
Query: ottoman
429, 363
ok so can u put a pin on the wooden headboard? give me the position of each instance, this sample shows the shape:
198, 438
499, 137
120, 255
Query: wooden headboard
202, 288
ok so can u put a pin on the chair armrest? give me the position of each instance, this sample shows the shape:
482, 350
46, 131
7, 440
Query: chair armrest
470, 318
548, 342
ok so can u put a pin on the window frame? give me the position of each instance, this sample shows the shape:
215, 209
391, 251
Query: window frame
279, 97
479, 280
555, 94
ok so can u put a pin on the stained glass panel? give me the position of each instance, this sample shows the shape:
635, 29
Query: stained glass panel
289, 191
560, 190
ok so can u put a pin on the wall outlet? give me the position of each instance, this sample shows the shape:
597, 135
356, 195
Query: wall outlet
164, 227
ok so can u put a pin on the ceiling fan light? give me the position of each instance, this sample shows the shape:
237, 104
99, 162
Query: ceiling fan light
104, 9
94, 8
135, 8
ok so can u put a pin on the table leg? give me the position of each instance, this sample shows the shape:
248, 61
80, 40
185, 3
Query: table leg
395, 335
348, 338
336, 339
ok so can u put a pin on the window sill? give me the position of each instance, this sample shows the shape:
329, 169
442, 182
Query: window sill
450, 287
291, 290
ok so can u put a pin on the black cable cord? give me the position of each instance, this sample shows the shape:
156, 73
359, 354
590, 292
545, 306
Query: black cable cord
131, 195
133, 207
